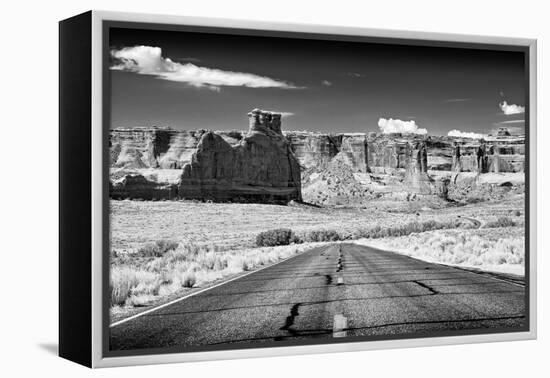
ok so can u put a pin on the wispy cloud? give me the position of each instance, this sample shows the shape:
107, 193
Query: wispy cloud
456, 100
510, 122
326, 83
283, 114
148, 60
465, 134
355, 74
286, 114
388, 126
509, 109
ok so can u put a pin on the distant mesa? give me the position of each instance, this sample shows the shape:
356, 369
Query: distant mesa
268, 165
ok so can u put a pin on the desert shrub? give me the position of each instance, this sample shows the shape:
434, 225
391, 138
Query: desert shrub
500, 222
271, 238
126, 281
376, 232
140, 300
156, 249
322, 236
209, 260
238, 264
188, 279
472, 200
180, 274
345, 235
296, 239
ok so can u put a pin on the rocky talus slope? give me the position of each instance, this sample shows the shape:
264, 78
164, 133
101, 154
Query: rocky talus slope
335, 183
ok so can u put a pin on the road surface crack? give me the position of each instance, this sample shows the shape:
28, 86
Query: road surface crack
290, 320
431, 289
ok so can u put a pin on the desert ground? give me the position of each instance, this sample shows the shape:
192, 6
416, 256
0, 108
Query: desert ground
161, 249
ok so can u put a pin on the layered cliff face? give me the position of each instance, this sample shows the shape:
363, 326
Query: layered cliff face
493, 154
152, 147
315, 149
268, 165
387, 153
354, 151
135, 148
312, 149
138, 147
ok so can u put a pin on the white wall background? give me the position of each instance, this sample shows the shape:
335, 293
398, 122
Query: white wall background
28, 140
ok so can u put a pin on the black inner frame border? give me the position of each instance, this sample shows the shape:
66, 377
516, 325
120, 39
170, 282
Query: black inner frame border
106, 117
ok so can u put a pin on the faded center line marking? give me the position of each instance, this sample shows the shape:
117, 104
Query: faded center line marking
340, 324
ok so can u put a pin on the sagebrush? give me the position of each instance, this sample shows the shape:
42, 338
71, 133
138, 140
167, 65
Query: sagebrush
280, 236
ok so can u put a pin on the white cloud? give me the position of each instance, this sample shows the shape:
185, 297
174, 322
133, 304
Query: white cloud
283, 114
326, 83
465, 134
509, 109
388, 126
148, 60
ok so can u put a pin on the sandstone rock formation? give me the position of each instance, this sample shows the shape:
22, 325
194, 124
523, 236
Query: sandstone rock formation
154, 147
164, 148
312, 149
387, 153
493, 154
136, 186
266, 164
416, 171
260, 168
354, 151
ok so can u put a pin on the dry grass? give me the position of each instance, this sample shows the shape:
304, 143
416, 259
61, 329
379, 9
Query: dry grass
138, 282
501, 222
497, 249
126, 281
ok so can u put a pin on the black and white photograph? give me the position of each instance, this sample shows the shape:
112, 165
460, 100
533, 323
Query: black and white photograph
286, 189
246, 189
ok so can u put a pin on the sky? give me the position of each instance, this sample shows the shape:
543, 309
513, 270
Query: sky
193, 81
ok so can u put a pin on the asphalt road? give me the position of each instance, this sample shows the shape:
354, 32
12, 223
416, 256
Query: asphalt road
331, 291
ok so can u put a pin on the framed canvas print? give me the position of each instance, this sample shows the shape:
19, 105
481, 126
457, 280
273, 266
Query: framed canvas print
238, 189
